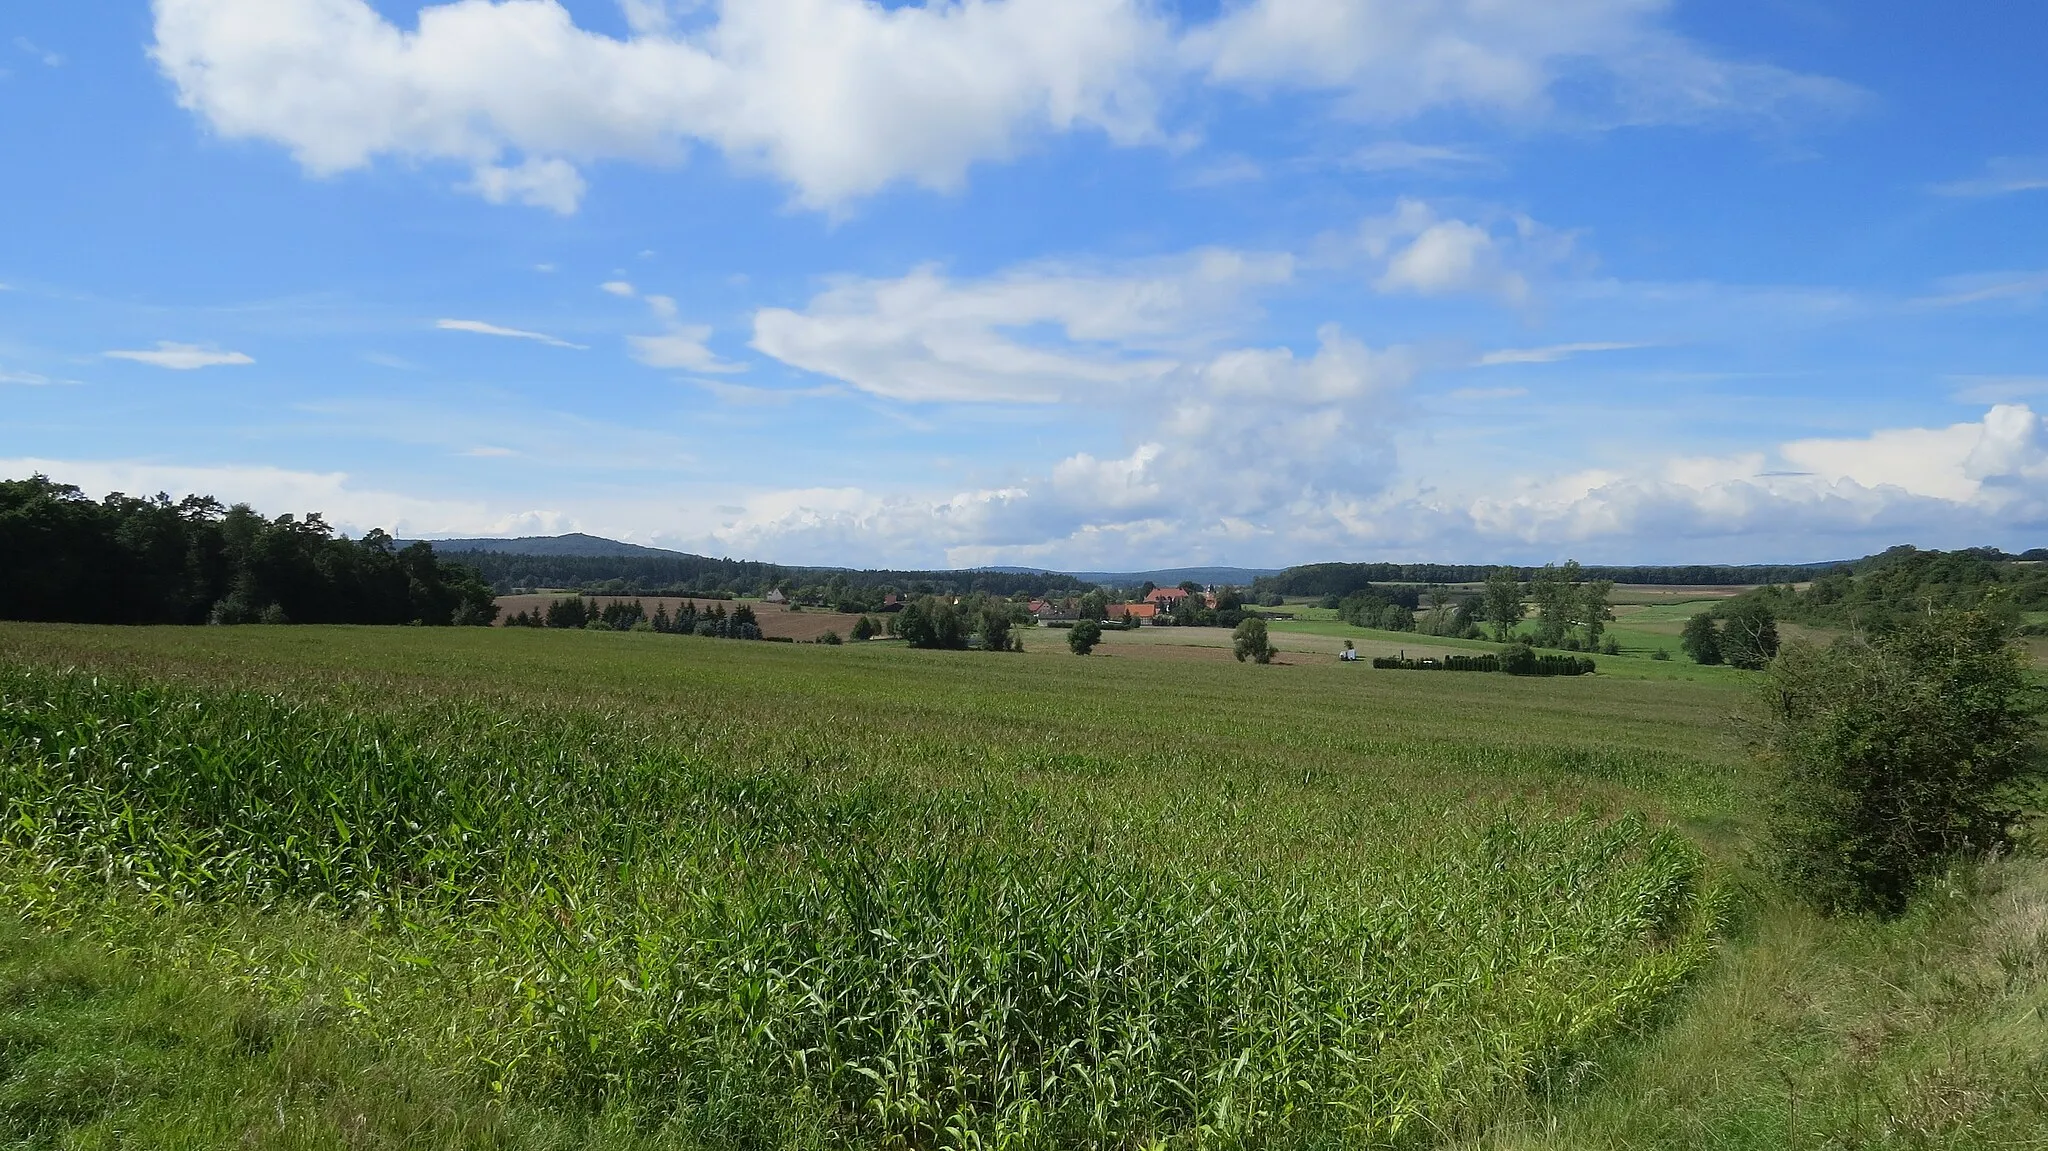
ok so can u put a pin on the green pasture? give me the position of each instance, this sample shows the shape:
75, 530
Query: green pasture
356, 887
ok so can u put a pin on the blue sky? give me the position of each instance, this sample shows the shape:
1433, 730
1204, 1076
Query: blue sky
1077, 283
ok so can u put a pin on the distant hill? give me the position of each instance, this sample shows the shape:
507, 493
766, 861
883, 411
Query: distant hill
1240, 577
573, 544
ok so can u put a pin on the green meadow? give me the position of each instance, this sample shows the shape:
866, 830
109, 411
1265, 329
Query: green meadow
399, 887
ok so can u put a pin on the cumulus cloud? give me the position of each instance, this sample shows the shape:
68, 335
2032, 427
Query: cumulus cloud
480, 328
1969, 482
182, 357
837, 97
840, 98
1033, 335
1424, 253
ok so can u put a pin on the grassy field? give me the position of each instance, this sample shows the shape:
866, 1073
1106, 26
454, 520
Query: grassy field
325, 887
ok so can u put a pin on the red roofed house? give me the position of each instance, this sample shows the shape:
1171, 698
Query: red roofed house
1137, 611
1166, 598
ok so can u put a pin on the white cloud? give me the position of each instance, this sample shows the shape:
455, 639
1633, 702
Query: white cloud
1425, 253
1452, 256
25, 379
479, 327
1393, 59
1548, 355
682, 347
619, 288
182, 357
1033, 335
535, 182
837, 97
2002, 177
1969, 483
841, 98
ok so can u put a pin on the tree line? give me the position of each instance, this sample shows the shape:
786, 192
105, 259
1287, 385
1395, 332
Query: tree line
154, 560
703, 577
1343, 579
575, 612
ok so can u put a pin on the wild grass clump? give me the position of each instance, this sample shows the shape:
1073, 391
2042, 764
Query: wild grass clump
764, 956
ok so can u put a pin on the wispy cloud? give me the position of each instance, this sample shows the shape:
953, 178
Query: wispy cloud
1963, 290
2002, 177
1487, 393
48, 58
481, 328
683, 346
1402, 156
489, 453
182, 357
25, 379
1548, 355
1996, 389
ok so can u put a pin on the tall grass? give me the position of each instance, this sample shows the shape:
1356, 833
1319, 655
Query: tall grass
764, 955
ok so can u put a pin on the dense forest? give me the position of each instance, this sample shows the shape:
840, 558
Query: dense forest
1878, 593
130, 560
701, 576
1341, 580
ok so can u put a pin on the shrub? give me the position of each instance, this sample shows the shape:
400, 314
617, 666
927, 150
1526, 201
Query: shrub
1661, 655
864, 629
1251, 641
1611, 646
1086, 634
1894, 756
830, 638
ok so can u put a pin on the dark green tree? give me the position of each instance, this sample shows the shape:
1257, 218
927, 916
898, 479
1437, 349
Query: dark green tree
1251, 641
1895, 755
1503, 601
1702, 639
1084, 636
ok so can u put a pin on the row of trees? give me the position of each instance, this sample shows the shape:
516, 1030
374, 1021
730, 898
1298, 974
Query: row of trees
1572, 611
684, 575
940, 623
631, 615
1341, 579
155, 560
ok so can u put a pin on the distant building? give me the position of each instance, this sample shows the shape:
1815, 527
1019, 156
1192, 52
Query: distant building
1142, 612
1166, 598
774, 596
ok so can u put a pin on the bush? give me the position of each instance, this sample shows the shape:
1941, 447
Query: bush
864, 629
1086, 634
1894, 757
1251, 641
830, 638
1661, 655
